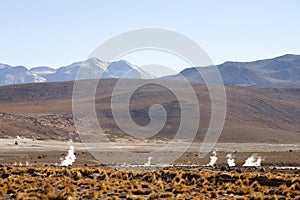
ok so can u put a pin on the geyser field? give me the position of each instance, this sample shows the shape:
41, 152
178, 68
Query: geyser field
51, 152
36, 169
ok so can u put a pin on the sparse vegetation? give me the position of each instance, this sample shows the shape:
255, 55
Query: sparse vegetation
170, 183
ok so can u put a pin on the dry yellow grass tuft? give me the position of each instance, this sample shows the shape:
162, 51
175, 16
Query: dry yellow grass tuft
171, 183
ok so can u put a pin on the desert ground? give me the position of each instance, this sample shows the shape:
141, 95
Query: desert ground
50, 152
32, 170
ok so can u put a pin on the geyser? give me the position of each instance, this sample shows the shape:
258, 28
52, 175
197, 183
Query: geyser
253, 161
213, 159
70, 157
230, 160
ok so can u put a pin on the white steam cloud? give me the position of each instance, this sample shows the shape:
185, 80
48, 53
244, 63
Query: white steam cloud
253, 161
230, 160
148, 163
213, 159
70, 157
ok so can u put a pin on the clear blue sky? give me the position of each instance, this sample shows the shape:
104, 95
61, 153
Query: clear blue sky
58, 32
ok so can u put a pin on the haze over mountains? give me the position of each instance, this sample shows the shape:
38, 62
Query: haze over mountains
279, 71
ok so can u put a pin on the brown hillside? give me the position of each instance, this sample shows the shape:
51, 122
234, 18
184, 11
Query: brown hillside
253, 114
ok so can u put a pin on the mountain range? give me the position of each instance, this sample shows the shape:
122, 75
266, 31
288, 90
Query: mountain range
91, 67
279, 71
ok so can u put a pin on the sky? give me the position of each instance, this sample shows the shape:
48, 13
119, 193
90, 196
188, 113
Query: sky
56, 33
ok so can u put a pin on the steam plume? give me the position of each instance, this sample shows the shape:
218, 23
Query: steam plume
70, 157
213, 159
253, 161
230, 160
148, 163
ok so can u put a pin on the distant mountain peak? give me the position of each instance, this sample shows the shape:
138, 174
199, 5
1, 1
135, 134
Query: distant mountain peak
288, 57
279, 71
92, 68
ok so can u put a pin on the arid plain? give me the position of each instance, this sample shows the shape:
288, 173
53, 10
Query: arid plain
261, 121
